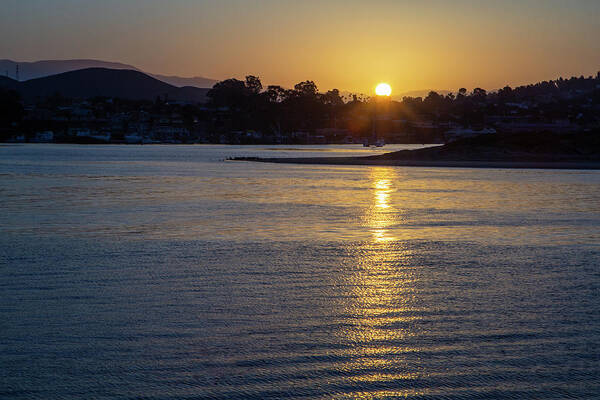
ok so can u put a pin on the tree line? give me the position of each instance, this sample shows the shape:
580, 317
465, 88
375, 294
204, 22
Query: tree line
247, 105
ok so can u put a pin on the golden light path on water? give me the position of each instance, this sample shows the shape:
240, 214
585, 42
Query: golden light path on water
383, 296
380, 215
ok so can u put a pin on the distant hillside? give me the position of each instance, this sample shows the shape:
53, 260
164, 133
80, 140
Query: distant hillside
197, 81
40, 69
8, 83
420, 93
92, 82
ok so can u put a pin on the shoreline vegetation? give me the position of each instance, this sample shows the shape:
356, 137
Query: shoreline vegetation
540, 151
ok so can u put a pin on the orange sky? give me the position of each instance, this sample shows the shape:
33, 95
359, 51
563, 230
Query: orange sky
350, 45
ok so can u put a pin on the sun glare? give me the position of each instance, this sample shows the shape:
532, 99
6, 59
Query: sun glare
383, 89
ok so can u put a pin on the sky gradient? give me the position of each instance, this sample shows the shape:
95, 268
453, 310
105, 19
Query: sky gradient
347, 44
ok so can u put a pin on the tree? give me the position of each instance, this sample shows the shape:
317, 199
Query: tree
433, 102
306, 89
333, 101
276, 94
304, 106
505, 93
253, 84
228, 93
333, 98
479, 93
433, 98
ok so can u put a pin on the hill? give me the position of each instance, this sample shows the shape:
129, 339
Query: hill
8, 83
93, 82
197, 81
43, 68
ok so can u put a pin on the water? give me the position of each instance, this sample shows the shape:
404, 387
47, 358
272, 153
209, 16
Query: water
164, 272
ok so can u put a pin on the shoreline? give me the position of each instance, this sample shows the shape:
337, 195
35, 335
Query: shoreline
369, 161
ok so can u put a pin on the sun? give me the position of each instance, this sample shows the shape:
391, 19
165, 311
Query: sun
383, 89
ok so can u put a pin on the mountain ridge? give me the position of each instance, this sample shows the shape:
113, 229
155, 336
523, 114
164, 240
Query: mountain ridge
38, 69
104, 82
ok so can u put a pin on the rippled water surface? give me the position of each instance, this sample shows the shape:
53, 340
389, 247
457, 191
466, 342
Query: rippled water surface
164, 272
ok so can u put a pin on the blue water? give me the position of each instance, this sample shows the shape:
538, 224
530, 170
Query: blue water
165, 272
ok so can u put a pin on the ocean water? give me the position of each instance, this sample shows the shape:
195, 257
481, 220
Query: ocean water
165, 272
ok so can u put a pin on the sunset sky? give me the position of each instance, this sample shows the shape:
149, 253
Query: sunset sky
347, 44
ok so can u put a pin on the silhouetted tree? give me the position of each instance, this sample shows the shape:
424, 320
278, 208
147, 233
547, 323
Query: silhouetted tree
333, 98
276, 94
505, 93
479, 93
306, 89
228, 93
253, 84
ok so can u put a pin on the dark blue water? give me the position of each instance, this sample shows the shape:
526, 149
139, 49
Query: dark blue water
163, 272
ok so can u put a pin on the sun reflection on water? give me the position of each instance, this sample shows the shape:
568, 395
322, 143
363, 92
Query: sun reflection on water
381, 214
382, 303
